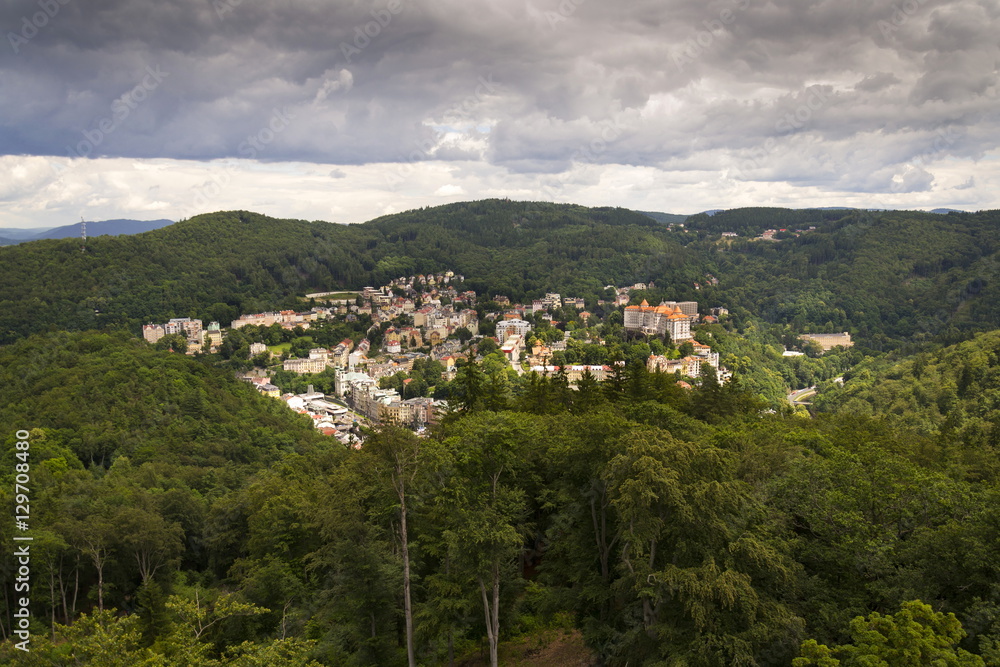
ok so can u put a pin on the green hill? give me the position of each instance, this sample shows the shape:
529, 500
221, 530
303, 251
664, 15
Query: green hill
949, 394
218, 265
104, 396
889, 278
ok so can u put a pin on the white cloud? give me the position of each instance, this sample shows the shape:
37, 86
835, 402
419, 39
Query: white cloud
175, 189
449, 191
496, 98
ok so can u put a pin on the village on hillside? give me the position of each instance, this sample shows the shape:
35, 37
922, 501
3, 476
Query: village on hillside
427, 326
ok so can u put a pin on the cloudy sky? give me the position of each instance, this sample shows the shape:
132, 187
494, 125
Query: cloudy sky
348, 110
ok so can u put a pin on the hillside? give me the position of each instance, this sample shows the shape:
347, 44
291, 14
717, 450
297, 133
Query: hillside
216, 266
948, 394
661, 523
15, 235
889, 278
666, 218
102, 397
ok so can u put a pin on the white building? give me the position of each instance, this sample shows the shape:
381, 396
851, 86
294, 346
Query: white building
506, 328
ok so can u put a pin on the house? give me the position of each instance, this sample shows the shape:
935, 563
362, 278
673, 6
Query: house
659, 363
184, 326
512, 348
574, 373
269, 390
153, 332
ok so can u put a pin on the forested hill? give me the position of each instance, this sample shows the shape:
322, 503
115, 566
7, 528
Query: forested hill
219, 265
524, 249
101, 397
949, 394
887, 277
754, 220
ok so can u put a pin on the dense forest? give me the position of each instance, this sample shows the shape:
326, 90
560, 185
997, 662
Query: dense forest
944, 392
180, 518
889, 278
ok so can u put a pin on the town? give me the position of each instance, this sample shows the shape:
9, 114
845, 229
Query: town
422, 328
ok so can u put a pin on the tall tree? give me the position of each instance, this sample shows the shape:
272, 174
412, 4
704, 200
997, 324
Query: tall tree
487, 534
395, 455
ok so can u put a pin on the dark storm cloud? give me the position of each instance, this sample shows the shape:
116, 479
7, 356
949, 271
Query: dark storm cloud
534, 86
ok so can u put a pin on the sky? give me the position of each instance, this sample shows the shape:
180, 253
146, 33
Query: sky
350, 110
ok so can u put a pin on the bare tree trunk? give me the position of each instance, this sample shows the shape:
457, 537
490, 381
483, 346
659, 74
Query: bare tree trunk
407, 605
600, 520
76, 586
62, 595
496, 617
489, 624
492, 612
52, 602
648, 612
451, 632
100, 588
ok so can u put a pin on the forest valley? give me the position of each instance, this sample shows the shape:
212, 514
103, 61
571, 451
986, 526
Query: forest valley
180, 518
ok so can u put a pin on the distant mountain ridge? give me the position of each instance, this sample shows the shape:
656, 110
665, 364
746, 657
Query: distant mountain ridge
97, 228
21, 234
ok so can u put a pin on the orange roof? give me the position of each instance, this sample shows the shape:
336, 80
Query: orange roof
644, 303
632, 308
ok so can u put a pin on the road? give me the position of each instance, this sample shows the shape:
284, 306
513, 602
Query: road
796, 397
